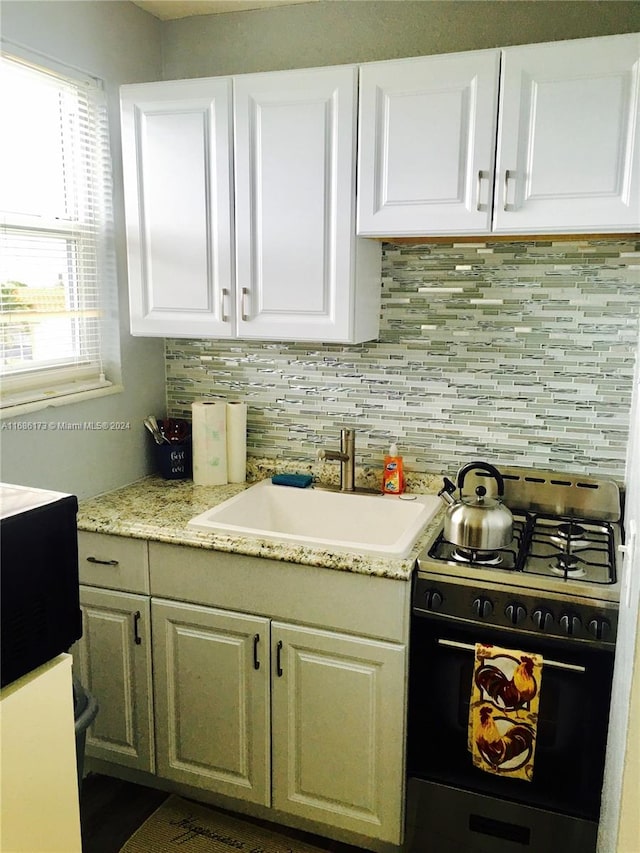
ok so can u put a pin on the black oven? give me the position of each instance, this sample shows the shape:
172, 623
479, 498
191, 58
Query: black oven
553, 591
455, 807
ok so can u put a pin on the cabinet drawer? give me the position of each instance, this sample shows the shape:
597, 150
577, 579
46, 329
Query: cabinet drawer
114, 562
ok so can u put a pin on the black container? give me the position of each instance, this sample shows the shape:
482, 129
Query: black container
39, 590
174, 461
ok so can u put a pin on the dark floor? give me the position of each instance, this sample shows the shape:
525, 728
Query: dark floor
111, 810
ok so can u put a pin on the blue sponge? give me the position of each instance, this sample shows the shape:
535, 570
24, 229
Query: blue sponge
300, 481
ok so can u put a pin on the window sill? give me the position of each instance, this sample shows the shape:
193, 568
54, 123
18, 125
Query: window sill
10, 410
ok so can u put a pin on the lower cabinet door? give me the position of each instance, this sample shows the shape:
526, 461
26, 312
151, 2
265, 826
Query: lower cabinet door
113, 662
338, 730
211, 681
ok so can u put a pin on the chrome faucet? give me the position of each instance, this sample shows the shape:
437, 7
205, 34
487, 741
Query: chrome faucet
347, 458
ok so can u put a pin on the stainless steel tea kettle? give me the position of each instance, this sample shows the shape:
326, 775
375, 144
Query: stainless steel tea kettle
476, 523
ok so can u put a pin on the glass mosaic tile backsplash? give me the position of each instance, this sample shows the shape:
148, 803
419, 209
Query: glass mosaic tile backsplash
520, 353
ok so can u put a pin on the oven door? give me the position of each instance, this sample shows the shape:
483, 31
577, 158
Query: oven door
572, 728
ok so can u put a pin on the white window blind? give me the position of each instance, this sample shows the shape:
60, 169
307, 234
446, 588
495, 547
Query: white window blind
55, 231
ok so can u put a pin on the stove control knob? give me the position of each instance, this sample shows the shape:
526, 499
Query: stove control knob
482, 608
599, 628
515, 612
570, 624
542, 619
433, 599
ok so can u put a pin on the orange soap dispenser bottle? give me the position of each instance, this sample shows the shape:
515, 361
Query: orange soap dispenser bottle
393, 474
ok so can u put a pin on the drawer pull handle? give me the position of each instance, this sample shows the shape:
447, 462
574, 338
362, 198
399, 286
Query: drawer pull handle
279, 670
136, 621
256, 662
102, 562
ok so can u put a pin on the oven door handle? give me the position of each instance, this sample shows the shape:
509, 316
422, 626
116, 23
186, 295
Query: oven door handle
551, 664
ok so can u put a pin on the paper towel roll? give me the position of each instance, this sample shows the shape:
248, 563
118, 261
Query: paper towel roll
237, 442
209, 442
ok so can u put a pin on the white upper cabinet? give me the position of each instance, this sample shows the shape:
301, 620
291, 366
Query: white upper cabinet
568, 141
288, 266
176, 139
427, 144
301, 272
569, 137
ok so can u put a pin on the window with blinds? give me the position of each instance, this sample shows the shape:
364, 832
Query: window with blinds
55, 232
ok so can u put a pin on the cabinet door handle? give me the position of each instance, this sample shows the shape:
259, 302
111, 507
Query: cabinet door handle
136, 621
102, 562
245, 298
256, 662
481, 175
224, 293
508, 174
279, 670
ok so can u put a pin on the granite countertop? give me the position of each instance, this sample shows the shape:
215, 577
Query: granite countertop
157, 509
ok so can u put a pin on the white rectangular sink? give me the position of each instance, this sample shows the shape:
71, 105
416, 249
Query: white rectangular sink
377, 525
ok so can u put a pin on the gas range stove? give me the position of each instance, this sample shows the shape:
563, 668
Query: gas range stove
560, 574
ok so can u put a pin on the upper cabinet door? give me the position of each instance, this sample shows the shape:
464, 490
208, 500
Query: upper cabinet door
569, 137
295, 182
426, 144
177, 172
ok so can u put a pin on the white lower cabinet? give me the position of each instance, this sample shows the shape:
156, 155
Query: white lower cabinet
310, 722
337, 729
250, 679
113, 661
211, 672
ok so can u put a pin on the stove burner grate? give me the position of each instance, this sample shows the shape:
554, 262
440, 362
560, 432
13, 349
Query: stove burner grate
570, 530
505, 559
569, 534
481, 558
568, 566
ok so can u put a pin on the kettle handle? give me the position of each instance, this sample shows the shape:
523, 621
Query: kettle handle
446, 491
484, 466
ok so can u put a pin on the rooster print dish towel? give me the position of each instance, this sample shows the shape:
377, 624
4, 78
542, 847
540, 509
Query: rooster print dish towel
503, 712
